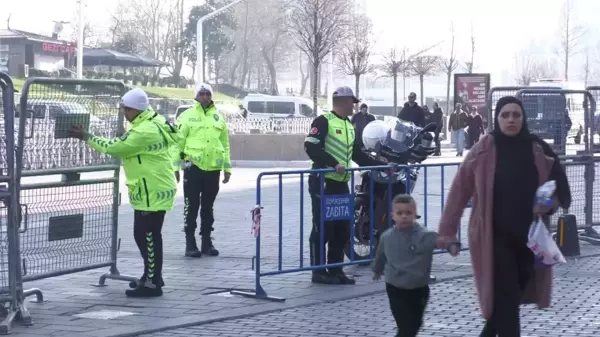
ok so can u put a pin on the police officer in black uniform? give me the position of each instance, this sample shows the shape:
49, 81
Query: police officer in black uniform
331, 144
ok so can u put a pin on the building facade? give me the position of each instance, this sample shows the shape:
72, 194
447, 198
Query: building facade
19, 48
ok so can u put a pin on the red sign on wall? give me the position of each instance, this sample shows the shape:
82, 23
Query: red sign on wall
58, 48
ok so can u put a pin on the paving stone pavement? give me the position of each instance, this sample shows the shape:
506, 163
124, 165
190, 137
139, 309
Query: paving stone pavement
72, 307
452, 312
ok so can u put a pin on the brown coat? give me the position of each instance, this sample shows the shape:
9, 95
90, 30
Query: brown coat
475, 179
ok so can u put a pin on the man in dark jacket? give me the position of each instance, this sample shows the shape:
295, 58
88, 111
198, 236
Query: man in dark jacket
413, 112
360, 120
438, 119
457, 125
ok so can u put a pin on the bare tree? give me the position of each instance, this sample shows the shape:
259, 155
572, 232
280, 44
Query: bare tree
449, 65
570, 36
175, 40
530, 68
273, 37
318, 25
394, 64
586, 68
354, 58
156, 26
423, 66
304, 73
470, 65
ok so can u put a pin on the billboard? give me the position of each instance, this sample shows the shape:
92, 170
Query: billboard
471, 91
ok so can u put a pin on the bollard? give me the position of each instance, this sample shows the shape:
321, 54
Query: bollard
567, 237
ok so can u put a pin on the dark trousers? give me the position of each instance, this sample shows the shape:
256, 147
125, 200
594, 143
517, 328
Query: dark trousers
408, 308
513, 267
436, 140
147, 227
473, 139
200, 189
336, 233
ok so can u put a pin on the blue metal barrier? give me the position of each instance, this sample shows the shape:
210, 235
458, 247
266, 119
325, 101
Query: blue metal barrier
339, 207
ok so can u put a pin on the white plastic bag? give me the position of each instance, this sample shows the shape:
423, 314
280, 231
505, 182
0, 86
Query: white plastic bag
539, 240
543, 247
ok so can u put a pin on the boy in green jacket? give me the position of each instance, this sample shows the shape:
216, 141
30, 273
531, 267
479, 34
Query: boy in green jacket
145, 152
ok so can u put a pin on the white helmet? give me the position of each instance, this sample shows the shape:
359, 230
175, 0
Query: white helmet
375, 133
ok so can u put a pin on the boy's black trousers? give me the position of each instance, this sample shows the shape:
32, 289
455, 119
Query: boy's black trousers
408, 308
147, 227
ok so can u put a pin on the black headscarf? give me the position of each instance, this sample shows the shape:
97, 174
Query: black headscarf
516, 176
516, 179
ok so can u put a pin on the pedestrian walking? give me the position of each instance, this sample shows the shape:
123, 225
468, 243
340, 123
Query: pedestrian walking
475, 127
145, 151
330, 143
501, 175
404, 255
204, 153
438, 119
456, 125
412, 112
360, 120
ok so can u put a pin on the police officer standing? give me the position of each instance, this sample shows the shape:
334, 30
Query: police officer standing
331, 144
204, 149
144, 150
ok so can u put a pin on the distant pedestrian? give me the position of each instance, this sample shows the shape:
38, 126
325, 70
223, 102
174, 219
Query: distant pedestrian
360, 120
412, 112
457, 125
475, 127
438, 119
404, 256
501, 175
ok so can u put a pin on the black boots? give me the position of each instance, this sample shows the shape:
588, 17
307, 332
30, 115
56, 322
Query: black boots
322, 276
207, 247
191, 248
341, 276
147, 289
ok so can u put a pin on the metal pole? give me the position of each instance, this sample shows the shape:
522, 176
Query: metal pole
81, 26
200, 40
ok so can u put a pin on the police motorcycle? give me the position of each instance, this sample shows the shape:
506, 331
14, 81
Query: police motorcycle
395, 142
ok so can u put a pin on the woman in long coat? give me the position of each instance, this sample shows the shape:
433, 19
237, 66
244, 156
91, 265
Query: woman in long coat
501, 174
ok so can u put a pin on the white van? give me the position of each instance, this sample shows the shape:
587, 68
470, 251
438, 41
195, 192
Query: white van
259, 105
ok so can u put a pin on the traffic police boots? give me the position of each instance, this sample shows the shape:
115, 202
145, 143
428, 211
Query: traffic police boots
207, 247
191, 248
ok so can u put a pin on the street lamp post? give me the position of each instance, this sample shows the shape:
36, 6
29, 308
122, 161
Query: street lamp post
200, 39
80, 28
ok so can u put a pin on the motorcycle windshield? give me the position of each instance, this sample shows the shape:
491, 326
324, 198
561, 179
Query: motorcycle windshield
401, 137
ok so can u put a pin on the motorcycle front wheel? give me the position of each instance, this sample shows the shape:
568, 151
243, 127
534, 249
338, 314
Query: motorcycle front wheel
361, 245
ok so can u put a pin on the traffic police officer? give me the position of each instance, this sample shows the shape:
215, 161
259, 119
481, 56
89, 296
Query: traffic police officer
331, 144
204, 149
144, 150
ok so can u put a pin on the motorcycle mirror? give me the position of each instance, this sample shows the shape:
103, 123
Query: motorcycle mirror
429, 128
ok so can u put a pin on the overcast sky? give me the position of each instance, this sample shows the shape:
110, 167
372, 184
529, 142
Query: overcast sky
501, 28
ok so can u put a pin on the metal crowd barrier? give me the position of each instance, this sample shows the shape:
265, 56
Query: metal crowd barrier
11, 291
495, 93
55, 227
424, 192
